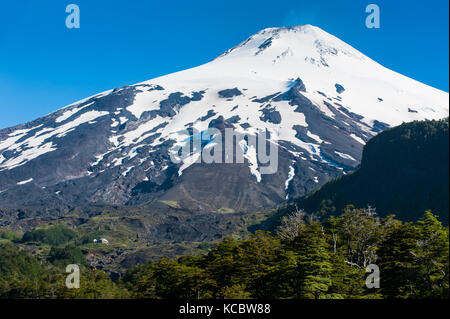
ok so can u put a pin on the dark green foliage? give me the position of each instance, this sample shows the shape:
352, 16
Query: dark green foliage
67, 255
53, 235
23, 276
167, 279
404, 170
94, 284
17, 267
397, 261
17, 263
243, 264
306, 259
314, 262
9, 235
321, 261
414, 260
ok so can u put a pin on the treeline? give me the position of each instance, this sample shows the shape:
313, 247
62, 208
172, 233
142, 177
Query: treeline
304, 259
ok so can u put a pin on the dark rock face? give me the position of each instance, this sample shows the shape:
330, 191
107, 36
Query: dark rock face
229, 93
270, 115
245, 125
208, 115
339, 88
302, 134
175, 101
354, 116
264, 45
234, 119
299, 85
379, 126
266, 99
220, 124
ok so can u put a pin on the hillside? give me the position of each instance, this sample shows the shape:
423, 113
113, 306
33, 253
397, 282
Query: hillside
404, 171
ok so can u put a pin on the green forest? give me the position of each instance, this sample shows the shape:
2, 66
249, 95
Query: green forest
304, 258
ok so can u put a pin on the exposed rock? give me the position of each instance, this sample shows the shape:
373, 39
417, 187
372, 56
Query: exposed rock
228, 93
339, 88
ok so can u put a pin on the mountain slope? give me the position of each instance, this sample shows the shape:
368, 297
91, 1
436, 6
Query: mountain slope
319, 99
404, 171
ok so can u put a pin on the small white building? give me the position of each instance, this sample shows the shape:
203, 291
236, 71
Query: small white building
102, 241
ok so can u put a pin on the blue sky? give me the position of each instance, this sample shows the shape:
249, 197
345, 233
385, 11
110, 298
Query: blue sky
45, 66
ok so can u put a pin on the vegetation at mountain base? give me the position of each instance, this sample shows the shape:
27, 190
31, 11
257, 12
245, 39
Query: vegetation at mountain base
304, 258
53, 235
404, 170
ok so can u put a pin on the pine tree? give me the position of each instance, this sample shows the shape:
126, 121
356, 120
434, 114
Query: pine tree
399, 274
432, 255
314, 266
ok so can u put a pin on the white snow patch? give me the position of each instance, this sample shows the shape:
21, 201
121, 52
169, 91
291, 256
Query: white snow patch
143, 101
114, 122
117, 161
137, 135
251, 156
315, 137
24, 131
98, 159
358, 139
69, 113
125, 173
346, 156
25, 181
291, 175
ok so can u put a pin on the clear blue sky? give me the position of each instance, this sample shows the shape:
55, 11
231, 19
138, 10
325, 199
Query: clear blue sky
44, 65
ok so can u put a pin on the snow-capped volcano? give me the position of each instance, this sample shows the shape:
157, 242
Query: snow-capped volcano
319, 98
